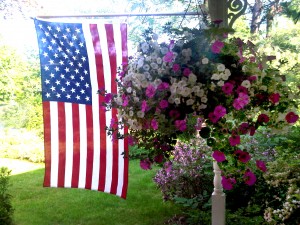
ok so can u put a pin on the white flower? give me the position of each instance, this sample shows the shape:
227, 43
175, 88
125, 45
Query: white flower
154, 36
171, 99
177, 101
140, 62
136, 99
144, 83
263, 88
181, 83
224, 76
215, 76
129, 89
164, 50
119, 100
146, 67
145, 47
220, 83
158, 60
246, 84
130, 113
140, 114
202, 106
195, 89
204, 99
205, 61
154, 66
221, 67
227, 72
200, 93
190, 101
186, 91
157, 82
192, 78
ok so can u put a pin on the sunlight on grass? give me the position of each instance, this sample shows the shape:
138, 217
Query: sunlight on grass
19, 166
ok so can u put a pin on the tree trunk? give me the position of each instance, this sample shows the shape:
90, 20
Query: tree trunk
274, 9
256, 16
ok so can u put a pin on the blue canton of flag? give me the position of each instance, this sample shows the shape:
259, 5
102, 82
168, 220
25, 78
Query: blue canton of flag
64, 62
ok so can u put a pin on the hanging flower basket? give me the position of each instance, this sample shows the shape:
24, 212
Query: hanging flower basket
202, 82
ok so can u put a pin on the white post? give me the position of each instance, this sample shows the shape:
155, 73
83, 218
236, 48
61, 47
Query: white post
218, 11
218, 198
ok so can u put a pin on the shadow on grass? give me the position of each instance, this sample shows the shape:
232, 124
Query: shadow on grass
36, 205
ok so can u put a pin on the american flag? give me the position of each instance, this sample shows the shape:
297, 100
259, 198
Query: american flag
77, 60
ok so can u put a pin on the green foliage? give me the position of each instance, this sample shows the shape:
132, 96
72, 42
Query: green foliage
292, 9
21, 144
6, 209
136, 153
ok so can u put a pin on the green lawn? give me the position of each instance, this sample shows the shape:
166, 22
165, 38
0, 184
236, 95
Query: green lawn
35, 205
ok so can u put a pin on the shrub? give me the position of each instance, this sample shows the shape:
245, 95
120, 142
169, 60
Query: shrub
188, 174
6, 209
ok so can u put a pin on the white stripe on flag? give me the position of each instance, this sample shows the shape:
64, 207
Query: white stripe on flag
69, 144
83, 146
54, 144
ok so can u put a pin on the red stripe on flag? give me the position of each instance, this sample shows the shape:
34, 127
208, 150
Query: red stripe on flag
76, 146
102, 117
62, 144
113, 68
47, 142
90, 146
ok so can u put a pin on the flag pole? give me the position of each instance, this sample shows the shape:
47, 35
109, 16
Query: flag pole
120, 15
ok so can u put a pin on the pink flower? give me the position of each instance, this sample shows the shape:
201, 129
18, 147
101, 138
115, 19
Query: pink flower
144, 106
150, 91
291, 117
227, 183
227, 88
261, 165
218, 156
252, 130
263, 118
213, 118
163, 86
180, 125
241, 101
249, 178
145, 164
168, 57
168, 166
163, 104
108, 97
235, 140
220, 111
274, 98
154, 124
186, 72
217, 46
252, 78
125, 100
131, 140
176, 67
244, 157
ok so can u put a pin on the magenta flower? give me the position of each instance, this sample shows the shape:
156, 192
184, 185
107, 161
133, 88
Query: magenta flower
154, 124
180, 125
174, 114
252, 130
108, 97
168, 166
163, 104
163, 86
263, 118
234, 140
159, 158
220, 111
274, 98
145, 164
243, 128
213, 118
261, 165
249, 178
176, 67
168, 57
244, 157
227, 183
242, 89
217, 46
227, 88
291, 117
186, 72
131, 140
150, 91
218, 156
125, 100
252, 78
144, 106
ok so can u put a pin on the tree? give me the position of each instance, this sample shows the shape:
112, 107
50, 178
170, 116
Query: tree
292, 9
